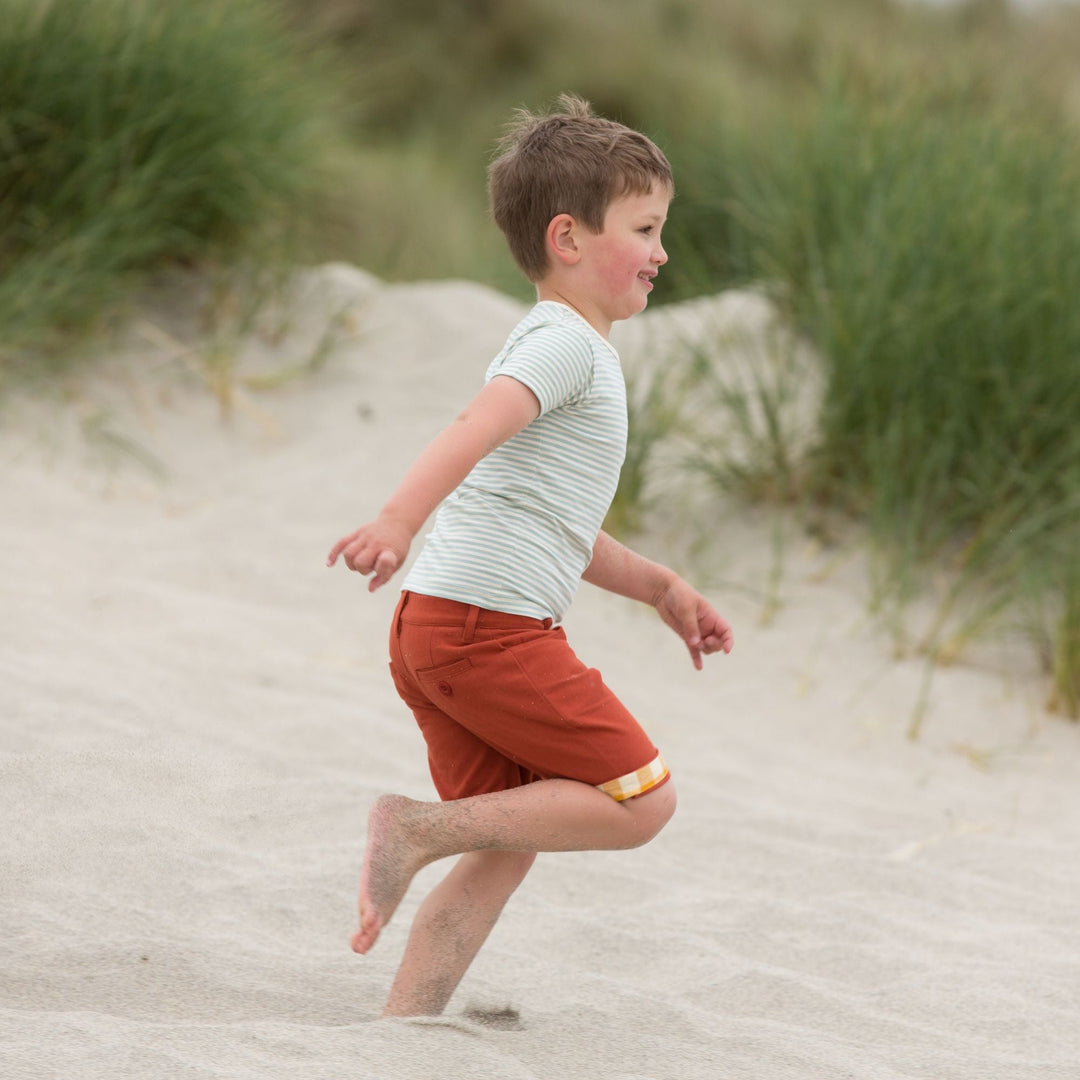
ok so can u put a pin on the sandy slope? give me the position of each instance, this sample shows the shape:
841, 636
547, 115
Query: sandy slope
194, 714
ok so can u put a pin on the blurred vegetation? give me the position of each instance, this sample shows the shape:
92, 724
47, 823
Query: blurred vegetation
134, 132
928, 243
903, 179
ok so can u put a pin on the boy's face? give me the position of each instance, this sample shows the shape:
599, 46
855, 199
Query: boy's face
620, 262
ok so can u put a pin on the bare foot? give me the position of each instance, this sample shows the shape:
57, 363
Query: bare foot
390, 861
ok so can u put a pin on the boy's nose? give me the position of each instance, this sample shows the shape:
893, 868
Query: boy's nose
659, 255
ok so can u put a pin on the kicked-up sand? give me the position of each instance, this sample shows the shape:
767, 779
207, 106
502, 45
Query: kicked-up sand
195, 715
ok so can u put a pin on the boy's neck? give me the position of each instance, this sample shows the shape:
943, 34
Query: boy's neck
553, 291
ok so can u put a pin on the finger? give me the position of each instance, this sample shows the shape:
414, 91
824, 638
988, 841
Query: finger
386, 563
691, 635
713, 644
349, 554
337, 549
360, 556
695, 656
719, 635
690, 631
720, 639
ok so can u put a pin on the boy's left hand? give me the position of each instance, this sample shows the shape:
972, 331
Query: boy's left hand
695, 620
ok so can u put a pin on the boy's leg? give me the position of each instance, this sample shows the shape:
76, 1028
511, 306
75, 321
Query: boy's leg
549, 815
449, 928
472, 680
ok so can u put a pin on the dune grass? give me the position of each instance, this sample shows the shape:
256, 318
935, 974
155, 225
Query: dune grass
931, 251
137, 131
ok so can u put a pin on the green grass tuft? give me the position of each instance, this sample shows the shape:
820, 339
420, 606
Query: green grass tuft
137, 131
928, 243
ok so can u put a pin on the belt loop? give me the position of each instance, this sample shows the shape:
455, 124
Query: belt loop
470, 624
400, 608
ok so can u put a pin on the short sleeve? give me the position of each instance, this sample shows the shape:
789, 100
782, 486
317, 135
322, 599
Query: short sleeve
554, 362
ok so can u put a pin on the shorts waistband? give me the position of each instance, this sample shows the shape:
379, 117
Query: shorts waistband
438, 611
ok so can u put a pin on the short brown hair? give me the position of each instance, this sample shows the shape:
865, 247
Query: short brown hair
567, 161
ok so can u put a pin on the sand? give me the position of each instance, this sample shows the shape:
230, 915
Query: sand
195, 714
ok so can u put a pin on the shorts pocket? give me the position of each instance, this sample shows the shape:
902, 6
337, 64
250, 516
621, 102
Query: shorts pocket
438, 682
444, 671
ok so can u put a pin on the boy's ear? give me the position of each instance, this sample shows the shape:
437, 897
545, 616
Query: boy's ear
561, 238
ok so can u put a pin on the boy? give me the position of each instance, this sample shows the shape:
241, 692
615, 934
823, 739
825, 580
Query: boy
527, 747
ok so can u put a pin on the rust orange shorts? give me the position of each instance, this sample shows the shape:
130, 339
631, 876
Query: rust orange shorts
502, 701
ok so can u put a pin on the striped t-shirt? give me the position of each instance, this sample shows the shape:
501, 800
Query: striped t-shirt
518, 532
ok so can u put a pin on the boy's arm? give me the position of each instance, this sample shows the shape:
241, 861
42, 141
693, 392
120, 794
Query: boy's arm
619, 570
502, 408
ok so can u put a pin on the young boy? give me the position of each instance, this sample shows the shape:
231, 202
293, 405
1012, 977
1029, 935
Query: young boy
528, 749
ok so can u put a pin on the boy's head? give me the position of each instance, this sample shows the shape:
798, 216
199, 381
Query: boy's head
568, 161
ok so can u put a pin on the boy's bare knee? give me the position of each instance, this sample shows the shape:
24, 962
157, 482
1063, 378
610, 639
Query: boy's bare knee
651, 811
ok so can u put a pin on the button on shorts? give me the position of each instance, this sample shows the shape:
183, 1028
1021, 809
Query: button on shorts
502, 700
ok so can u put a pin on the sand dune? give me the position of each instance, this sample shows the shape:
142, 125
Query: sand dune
195, 714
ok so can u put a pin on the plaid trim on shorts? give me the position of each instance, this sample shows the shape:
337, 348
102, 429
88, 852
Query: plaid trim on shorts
637, 782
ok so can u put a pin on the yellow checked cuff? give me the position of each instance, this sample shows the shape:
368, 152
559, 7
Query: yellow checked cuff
637, 782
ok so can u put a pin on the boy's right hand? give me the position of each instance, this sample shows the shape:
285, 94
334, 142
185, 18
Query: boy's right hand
378, 548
